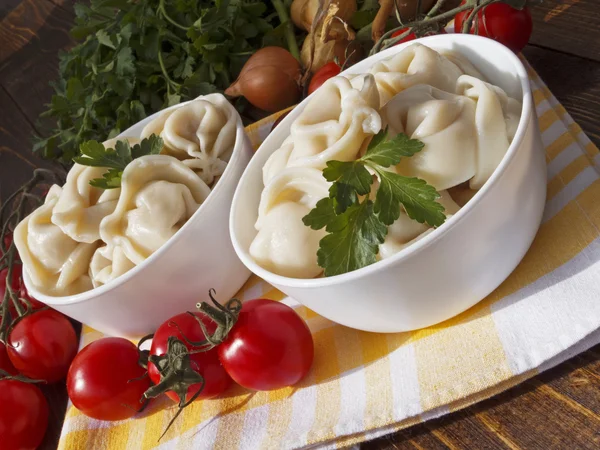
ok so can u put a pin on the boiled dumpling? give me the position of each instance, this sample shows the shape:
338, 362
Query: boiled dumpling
80, 207
107, 264
462, 63
416, 64
284, 245
496, 118
56, 264
278, 160
158, 195
445, 123
405, 231
335, 125
201, 133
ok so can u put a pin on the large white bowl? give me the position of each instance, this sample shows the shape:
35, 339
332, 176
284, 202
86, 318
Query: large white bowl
455, 266
179, 274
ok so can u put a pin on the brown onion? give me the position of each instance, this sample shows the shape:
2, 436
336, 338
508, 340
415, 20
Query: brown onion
269, 80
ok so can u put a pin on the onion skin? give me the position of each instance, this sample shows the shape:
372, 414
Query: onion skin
269, 80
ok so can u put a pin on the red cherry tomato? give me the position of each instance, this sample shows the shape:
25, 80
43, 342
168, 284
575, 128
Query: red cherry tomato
23, 415
106, 382
501, 22
329, 70
269, 347
206, 364
23, 293
17, 286
42, 345
5, 363
410, 37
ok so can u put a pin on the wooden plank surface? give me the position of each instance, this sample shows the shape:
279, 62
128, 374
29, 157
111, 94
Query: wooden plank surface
569, 26
557, 409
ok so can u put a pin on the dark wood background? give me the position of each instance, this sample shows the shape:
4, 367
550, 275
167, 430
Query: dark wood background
557, 409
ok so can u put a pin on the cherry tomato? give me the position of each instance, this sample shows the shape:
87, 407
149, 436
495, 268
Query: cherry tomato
410, 37
206, 364
17, 286
329, 70
23, 293
7, 242
269, 347
42, 345
23, 415
501, 22
5, 363
106, 382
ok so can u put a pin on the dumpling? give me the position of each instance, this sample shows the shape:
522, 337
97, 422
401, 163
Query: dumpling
416, 64
278, 160
496, 118
158, 195
107, 264
80, 207
201, 133
405, 231
462, 63
334, 125
445, 123
284, 245
56, 264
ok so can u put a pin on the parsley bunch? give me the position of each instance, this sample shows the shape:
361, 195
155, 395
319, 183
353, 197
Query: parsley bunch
139, 56
357, 225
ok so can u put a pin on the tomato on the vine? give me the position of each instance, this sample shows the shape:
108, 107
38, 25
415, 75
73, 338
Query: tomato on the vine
184, 326
329, 70
269, 347
501, 22
42, 345
23, 415
412, 36
5, 363
409, 37
105, 380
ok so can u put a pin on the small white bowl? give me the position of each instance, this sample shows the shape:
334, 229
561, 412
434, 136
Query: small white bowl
456, 265
179, 274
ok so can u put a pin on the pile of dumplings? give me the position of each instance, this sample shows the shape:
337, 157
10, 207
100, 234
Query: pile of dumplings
466, 124
83, 237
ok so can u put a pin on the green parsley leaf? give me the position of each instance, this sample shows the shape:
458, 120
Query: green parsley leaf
343, 195
320, 215
152, 145
94, 154
388, 152
417, 197
352, 173
115, 159
353, 241
109, 180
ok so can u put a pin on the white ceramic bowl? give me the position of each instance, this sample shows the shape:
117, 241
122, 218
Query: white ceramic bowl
455, 266
179, 274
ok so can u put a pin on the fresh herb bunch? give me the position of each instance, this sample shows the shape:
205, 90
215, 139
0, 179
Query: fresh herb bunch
94, 154
139, 56
356, 224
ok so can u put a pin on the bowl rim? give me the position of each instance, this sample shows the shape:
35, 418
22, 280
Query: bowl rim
241, 142
432, 237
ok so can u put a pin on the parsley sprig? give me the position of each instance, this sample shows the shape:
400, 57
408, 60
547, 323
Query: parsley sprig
357, 225
94, 154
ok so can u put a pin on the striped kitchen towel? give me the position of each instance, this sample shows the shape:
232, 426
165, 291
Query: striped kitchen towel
365, 385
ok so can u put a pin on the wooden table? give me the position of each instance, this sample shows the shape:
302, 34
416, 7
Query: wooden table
557, 409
